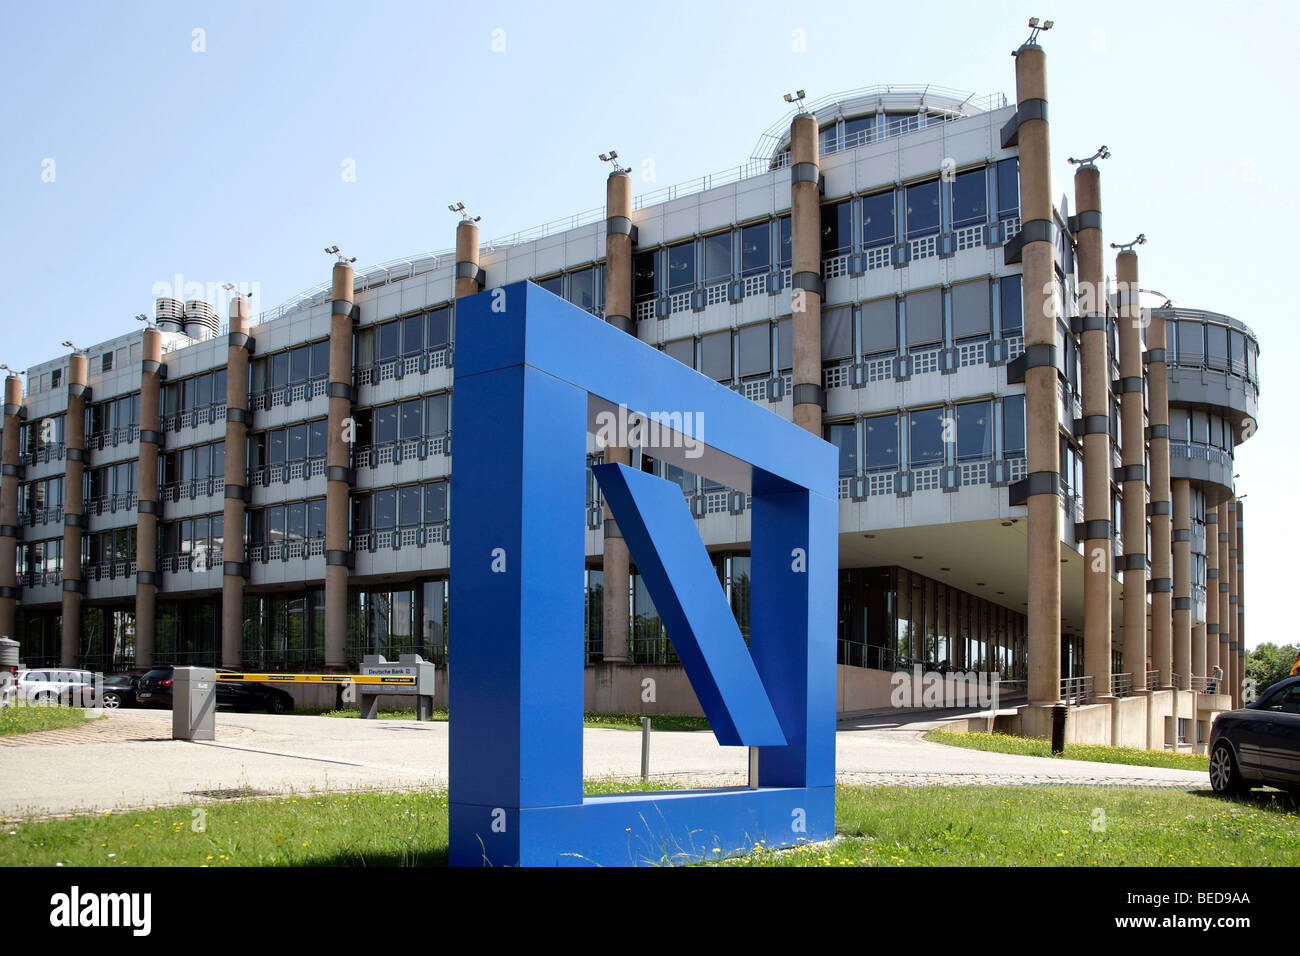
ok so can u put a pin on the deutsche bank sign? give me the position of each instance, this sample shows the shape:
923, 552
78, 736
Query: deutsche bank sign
535, 376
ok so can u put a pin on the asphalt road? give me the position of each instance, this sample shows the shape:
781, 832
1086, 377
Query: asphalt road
127, 759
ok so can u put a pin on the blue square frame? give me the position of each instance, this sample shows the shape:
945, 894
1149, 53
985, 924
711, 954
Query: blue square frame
532, 374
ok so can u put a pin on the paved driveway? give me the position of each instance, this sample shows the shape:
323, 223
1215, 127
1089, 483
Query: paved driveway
128, 759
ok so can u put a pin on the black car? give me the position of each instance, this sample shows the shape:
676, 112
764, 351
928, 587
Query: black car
119, 691
1259, 745
155, 690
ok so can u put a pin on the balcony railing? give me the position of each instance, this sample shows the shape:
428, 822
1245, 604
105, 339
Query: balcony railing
399, 368
1076, 690
290, 394
287, 549
98, 441
300, 469
1121, 685
193, 417
110, 504
108, 570
192, 488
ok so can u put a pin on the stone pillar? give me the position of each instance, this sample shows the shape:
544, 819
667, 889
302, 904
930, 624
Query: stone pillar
1162, 621
74, 470
1098, 554
1211, 590
233, 554
1134, 468
338, 468
806, 273
1225, 619
618, 311
469, 277
1041, 404
1184, 664
147, 504
10, 534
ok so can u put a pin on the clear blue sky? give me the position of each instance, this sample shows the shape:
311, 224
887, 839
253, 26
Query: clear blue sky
226, 164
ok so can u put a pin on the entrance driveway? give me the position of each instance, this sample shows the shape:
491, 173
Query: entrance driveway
127, 759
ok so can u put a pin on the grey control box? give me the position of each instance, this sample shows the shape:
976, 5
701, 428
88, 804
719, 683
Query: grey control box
407, 666
194, 703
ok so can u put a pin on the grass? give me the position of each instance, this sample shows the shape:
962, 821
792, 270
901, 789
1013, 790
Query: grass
1035, 747
29, 719
665, 722
877, 826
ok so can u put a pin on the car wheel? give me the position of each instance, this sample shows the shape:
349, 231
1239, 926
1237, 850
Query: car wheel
1225, 775
277, 706
112, 701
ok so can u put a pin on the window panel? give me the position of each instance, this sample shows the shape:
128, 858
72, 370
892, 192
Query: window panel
715, 355
411, 424
882, 442
1008, 177
681, 266
297, 442
280, 370
436, 418
974, 431
316, 438
385, 424
969, 198
644, 274
784, 345
837, 229
717, 257
972, 312
300, 364
837, 334
756, 249
413, 334
1011, 306
843, 435
388, 334
385, 508
784, 247
878, 219
683, 350
411, 505
922, 209
880, 326
924, 318
316, 517
437, 328
276, 446
755, 349
1013, 426
582, 289
320, 359
925, 438
435, 502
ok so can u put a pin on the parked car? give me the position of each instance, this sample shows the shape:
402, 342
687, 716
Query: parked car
155, 690
119, 691
52, 687
1259, 744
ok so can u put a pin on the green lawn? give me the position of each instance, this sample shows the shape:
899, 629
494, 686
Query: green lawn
1034, 747
25, 720
878, 826
616, 721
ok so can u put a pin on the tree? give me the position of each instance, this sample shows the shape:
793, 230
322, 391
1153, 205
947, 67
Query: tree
1270, 663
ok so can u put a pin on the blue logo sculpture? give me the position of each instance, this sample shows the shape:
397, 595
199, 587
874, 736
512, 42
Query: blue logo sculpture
533, 376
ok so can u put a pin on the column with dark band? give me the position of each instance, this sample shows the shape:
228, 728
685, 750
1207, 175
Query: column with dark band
234, 558
73, 509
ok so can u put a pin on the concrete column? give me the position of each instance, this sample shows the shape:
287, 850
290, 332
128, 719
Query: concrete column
469, 277
1041, 404
10, 533
1240, 633
234, 557
1098, 557
1225, 619
1162, 621
1211, 590
618, 311
147, 504
1184, 665
74, 517
1132, 424
338, 468
1234, 597
806, 273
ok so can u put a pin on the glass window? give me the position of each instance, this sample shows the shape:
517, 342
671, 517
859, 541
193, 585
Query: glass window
755, 349
297, 442
280, 370
437, 328
715, 356
882, 442
843, 435
385, 424
218, 460
276, 446
411, 424
1216, 341
878, 219
316, 517
683, 350
837, 334
1013, 426
1011, 306
1191, 343
837, 229
435, 502
717, 257
756, 249
880, 327
859, 130
643, 275
784, 345
388, 334
582, 289
681, 266
320, 359
926, 437
274, 524
413, 334
969, 199
300, 364
974, 431
924, 312
553, 284
411, 504
922, 209
971, 311
258, 381
1008, 176
297, 521
385, 508
435, 414
316, 438
783, 242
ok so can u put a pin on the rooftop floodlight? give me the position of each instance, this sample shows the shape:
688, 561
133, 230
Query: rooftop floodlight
797, 98
464, 216
334, 251
612, 158
141, 317
1102, 153
69, 345
1036, 27
1141, 240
